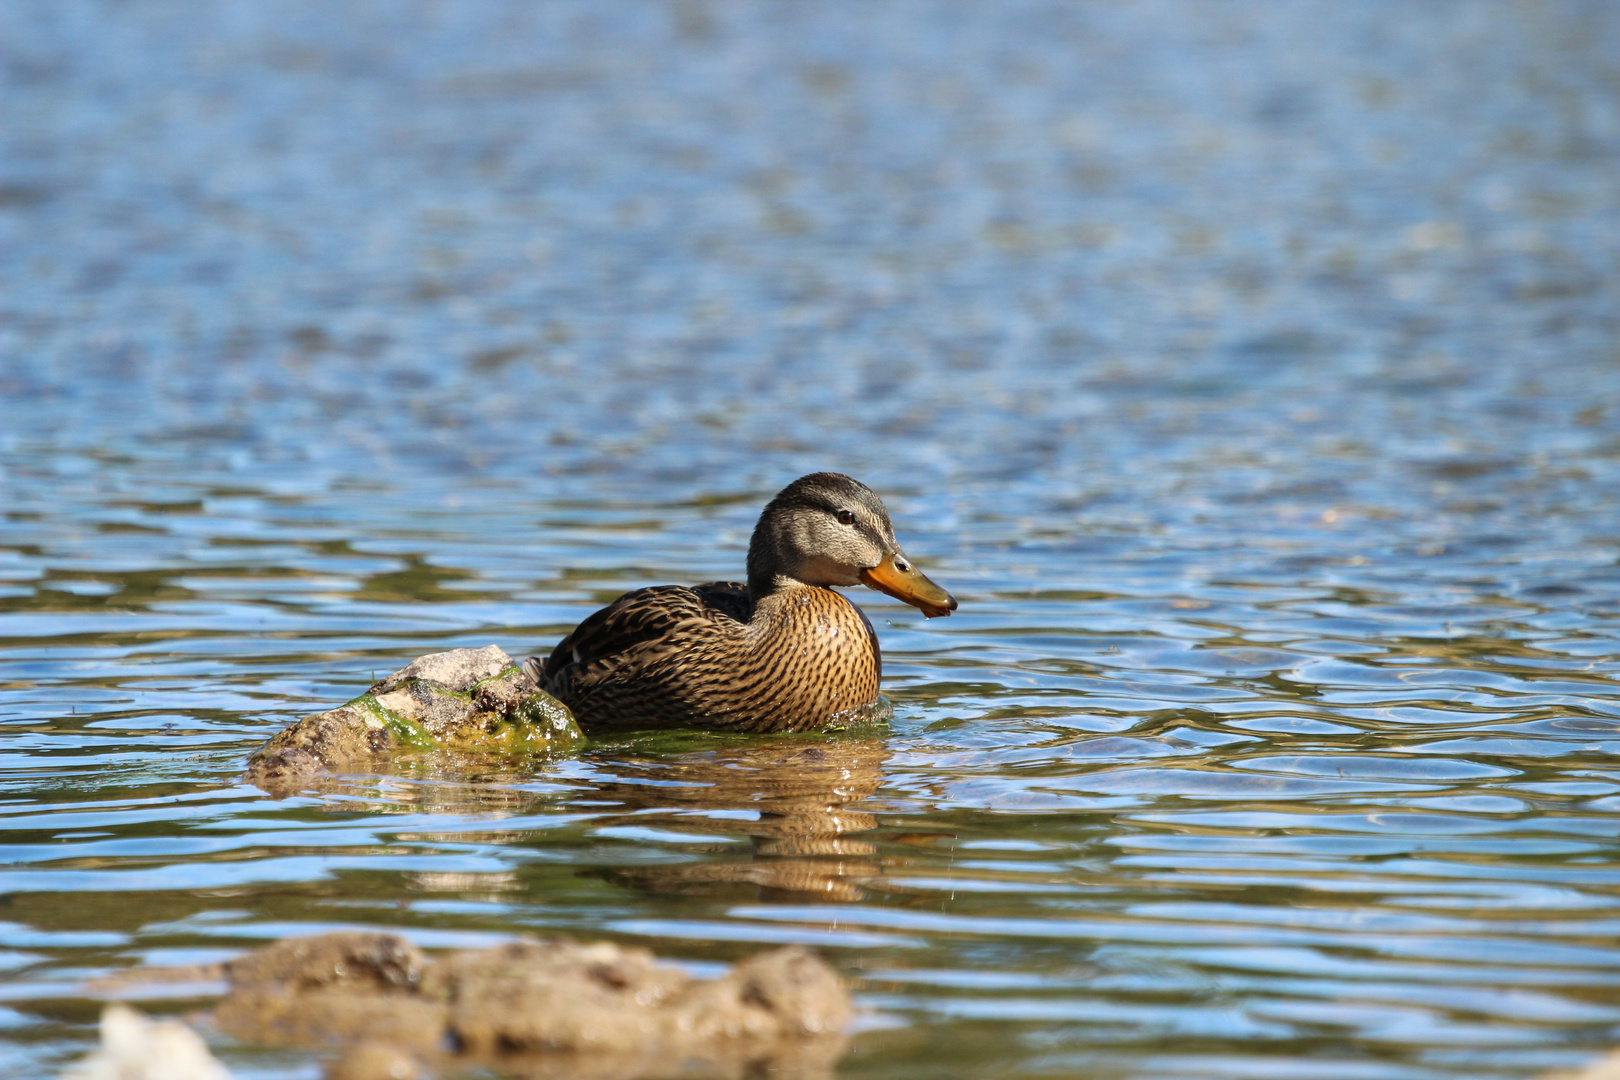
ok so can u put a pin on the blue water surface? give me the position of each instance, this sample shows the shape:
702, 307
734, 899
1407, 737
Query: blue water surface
1250, 371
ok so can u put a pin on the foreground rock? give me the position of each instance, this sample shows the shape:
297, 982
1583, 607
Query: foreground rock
533, 1008
135, 1048
459, 701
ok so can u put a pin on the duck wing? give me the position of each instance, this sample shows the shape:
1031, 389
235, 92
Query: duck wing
640, 629
727, 597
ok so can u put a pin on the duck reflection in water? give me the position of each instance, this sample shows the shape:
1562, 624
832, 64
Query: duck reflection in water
805, 840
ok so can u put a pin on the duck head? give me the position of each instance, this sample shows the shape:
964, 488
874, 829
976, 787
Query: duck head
827, 529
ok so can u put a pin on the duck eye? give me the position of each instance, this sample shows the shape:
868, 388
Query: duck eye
845, 517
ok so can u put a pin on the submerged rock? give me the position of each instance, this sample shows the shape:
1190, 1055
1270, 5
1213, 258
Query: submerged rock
536, 1008
136, 1048
458, 701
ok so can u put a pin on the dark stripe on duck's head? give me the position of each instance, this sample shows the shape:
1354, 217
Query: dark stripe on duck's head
831, 492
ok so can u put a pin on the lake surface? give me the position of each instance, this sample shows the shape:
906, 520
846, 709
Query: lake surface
1249, 371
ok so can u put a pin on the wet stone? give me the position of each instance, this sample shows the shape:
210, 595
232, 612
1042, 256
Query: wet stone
464, 700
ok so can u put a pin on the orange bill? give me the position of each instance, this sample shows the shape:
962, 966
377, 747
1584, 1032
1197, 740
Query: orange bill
911, 586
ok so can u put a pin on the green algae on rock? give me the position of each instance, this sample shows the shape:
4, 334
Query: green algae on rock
464, 700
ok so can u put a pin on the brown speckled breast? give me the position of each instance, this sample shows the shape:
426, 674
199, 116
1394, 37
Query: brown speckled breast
673, 656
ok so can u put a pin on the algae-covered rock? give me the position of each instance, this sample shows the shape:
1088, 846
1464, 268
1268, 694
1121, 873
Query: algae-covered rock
536, 1008
458, 701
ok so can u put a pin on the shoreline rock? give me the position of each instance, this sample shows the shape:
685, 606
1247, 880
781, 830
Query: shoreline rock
463, 700
531, 1008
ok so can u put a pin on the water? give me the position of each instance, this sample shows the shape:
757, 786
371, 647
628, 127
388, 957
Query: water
1251, 372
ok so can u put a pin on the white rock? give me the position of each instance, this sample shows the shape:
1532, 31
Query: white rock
457, 669
136, 1048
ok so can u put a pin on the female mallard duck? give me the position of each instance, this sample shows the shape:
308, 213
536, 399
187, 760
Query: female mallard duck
782, 653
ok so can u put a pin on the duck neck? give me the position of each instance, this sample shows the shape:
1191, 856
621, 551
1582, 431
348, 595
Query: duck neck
765, 576
763, 580
769, 588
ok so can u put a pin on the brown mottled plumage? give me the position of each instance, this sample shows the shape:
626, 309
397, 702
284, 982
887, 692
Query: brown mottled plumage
781, 653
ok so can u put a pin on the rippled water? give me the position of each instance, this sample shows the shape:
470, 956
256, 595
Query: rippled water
1250, 371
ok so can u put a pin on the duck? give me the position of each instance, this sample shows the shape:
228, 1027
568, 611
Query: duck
780, 652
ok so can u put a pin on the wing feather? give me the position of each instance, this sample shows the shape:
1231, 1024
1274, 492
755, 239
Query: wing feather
641, 629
